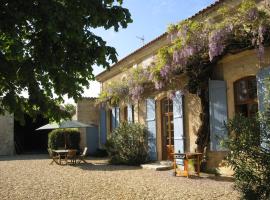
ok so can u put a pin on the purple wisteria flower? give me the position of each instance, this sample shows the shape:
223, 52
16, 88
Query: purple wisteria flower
181, 56
171, 94
165, 71
136, 92
159, 85
217, 42
252, 14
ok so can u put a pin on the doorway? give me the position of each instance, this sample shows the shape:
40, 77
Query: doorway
27, 139
167, 129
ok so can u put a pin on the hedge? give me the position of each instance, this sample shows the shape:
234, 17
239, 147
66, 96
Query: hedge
56, 139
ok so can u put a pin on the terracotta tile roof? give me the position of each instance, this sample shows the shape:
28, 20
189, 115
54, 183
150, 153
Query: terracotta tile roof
217, 2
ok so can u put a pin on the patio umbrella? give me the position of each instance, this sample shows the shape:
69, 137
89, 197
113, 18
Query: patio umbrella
65, 124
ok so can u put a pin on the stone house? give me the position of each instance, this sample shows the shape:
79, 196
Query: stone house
235, 87
6, 134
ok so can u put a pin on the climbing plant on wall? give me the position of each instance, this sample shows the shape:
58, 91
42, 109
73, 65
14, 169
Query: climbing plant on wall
196, 46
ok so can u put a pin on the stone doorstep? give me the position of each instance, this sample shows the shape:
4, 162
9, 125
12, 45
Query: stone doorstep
158, 166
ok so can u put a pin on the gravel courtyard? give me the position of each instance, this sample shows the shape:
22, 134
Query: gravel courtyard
31, 177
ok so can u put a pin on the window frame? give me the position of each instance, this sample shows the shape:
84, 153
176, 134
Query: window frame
249, 101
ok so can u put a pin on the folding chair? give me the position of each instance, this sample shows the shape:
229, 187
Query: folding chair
83, 156
71, 155
54, 157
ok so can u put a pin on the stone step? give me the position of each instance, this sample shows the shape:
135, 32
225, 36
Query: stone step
158, 166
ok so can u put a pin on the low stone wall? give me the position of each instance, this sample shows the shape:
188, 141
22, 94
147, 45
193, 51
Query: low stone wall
6, 134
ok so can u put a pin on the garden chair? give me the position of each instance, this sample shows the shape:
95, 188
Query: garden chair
71, 155
55, 158
83, 156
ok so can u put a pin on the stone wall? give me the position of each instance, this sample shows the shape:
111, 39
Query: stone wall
88, 112
6, 134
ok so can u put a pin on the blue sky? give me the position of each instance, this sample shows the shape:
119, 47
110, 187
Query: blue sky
150, 19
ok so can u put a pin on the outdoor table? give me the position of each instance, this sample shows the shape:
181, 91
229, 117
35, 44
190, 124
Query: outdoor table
62, 153
186, 157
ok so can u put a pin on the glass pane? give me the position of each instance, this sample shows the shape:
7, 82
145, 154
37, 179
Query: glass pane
241, 91
252, 110
252, 88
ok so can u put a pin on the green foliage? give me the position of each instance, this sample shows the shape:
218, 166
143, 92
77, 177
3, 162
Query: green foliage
56, 139
48, 50
249, 151
70, 108
249, 155
128, 144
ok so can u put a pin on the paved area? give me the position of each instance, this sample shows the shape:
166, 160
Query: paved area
31, 177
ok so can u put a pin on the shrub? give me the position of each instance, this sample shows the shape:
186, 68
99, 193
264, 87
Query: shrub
249, 155
128, 144
56, 139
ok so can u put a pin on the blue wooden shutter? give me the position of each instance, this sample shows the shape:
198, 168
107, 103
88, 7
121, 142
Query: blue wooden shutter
151, 124
113, 118
262, 75
262, 91
178, 122
130, 113
218, 113
102, 126
117, 116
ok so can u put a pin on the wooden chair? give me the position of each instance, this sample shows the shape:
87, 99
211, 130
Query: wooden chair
55, 158
83, 156
71, 155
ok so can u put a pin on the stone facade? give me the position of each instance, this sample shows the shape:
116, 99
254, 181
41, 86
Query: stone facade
88, 112
231, 68
7, 134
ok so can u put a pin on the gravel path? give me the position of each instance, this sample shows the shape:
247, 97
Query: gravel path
31, 177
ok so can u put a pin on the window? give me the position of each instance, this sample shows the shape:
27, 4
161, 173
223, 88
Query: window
110, 117
132, 113
245, 93
125, 113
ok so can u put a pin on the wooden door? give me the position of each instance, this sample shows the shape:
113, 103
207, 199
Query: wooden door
167, 129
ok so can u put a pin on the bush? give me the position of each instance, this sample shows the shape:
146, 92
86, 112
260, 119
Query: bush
56, 139
128, 144
249, 155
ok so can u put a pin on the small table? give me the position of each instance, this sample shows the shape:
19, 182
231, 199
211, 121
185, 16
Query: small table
186, 157
62, 153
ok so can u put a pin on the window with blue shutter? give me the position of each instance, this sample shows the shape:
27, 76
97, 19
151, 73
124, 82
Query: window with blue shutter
151, 124
178, 122
115, 117
130, 113
218, 113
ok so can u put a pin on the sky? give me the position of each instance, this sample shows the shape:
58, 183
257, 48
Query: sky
150, 19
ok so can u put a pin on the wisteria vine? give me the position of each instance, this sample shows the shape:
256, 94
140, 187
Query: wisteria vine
193, 42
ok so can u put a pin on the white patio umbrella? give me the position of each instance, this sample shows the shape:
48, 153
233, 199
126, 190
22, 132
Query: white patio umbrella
65, 124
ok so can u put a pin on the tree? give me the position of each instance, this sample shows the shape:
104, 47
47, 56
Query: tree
48, 48
70, 108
